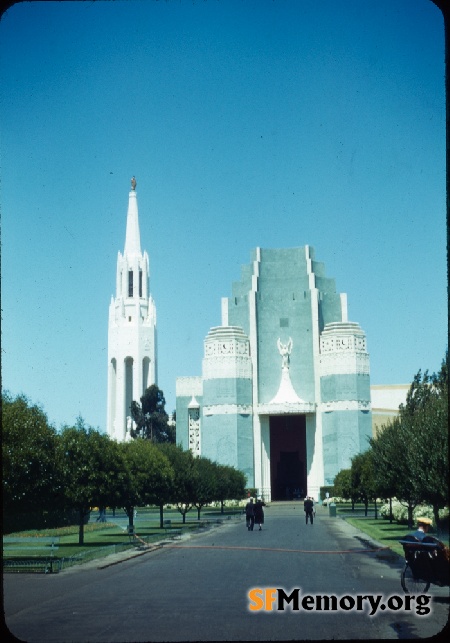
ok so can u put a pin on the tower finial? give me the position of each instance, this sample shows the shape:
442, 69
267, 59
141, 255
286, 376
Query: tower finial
133, 183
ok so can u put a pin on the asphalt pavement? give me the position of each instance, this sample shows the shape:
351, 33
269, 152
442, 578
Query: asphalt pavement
217, 584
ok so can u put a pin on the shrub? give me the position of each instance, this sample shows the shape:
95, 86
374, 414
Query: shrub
400, 512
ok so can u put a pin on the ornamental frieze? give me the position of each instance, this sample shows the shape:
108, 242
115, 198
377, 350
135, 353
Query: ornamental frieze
228, 409
345, 405
227, 347
342, 344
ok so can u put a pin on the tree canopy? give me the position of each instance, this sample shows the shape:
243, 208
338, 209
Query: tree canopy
147, 476
408, 459
28, 455
150, 417
89, 469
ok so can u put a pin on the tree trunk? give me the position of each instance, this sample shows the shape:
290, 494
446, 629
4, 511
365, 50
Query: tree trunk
366, 507
198, 513
391, 517
376, 509
436, 518
81, 528
130, 513
410, 516
161, 515
222, 503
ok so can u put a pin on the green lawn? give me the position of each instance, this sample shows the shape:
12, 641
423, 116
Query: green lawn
101, 539
381, 530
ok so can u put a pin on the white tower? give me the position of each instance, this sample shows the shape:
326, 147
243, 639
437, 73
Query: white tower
132, 355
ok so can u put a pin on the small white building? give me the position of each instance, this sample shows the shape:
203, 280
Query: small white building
132, 352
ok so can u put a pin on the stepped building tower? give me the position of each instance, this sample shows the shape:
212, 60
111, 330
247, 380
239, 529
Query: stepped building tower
132, 355
284, 394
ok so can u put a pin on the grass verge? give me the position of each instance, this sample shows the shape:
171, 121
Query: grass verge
381, 530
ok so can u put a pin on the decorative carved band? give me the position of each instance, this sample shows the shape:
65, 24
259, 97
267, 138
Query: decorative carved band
281, 408
345, 405
348, 343
228, 409
214, 347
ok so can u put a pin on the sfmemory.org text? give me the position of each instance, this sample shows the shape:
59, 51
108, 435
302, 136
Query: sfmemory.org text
270, 599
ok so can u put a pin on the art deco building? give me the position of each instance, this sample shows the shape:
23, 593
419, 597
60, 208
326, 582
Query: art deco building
284, 394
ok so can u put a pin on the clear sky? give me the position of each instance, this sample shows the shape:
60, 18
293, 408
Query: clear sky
271, 123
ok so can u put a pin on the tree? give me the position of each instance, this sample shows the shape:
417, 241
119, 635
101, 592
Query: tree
399, 464
148, 476
183, 462
28, 457
230, 484
429, 452
362, 478
411, 452
424, 432
425, 418
89, 470
204, 483
385, 451
150, 417
343, 486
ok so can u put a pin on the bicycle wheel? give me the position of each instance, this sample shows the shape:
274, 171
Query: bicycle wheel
412, 585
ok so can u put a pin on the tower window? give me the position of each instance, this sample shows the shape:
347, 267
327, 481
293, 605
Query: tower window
130, 283
140, 283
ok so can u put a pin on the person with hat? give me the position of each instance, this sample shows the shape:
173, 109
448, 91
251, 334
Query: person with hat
442, 551
423, 527
259, 512
308, 507
250, 514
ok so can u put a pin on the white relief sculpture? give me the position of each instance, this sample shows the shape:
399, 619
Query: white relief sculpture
194, 427
285, 351
286, 393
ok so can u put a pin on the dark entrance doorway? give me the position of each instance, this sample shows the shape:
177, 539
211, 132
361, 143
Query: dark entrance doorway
287, 456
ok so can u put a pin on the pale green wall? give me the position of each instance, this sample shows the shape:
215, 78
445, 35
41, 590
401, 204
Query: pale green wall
344, 434
352, 386
227, 391
228, 439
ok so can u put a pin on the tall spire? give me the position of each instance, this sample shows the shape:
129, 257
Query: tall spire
133, 237
132, 354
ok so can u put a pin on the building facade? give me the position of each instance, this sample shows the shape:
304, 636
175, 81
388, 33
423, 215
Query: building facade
132, 350
386, 401
284, 394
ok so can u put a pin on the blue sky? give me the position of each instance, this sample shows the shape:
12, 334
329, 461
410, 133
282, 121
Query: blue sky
271, 123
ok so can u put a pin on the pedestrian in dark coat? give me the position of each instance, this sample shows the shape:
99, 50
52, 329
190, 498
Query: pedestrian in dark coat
308, 506
259, 512
250, 514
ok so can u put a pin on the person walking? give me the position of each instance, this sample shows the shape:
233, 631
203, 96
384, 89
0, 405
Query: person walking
308, 507
250, 514
259, 512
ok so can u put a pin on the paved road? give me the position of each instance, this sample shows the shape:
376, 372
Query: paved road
197, 589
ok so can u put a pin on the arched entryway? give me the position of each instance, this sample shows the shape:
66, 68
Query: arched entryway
288, 477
